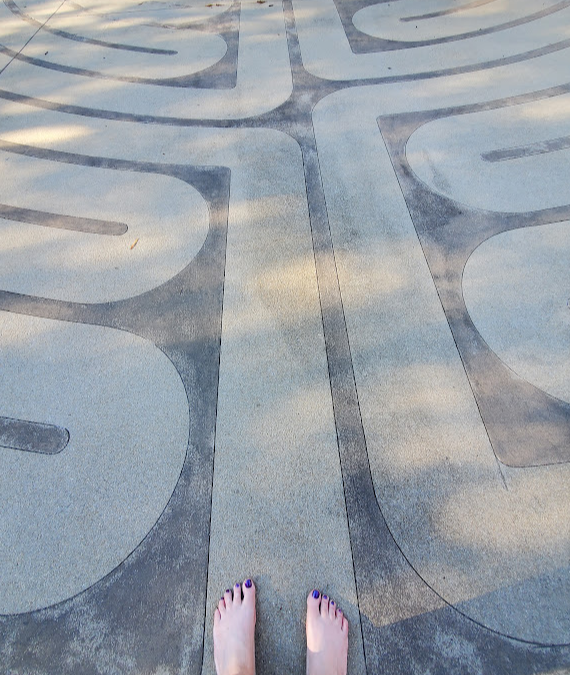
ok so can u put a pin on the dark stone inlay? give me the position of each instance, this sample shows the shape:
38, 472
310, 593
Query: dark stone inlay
539, 148
62, 222
361, 43
526, 426
445, 12
46, 439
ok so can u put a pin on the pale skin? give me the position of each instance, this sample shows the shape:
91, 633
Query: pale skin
234, 634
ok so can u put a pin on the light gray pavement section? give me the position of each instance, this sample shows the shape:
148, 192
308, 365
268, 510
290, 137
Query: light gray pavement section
159, 51
166, 221
327, 53
15, 33
263, 75
157, 13
69, 519
492, 540
414, 20
278, 507
493, 543
459, 156
517, 291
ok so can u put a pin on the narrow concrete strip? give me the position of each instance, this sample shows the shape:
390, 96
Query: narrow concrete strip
62, 222
537, 148
278, 510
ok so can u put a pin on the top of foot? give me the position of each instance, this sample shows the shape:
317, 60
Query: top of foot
234, 631
327, 637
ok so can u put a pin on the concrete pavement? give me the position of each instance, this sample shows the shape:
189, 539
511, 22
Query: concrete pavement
284, 293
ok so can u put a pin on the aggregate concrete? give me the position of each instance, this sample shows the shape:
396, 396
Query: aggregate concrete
284, 294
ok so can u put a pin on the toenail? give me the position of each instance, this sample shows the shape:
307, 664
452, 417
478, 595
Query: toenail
248, 583
316, 594
332, 602
325, 597
228, 590
237, 585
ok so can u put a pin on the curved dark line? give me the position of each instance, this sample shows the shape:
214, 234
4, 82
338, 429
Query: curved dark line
62, 222
140, 543
426, 75
13, 7
38, 437
226, 123
470, 68
449, 604
445, 12
177, 82
394, 45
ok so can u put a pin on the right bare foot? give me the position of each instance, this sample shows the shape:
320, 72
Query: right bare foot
327, 637
234, 631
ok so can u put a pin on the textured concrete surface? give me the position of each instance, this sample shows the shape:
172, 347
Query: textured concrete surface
284, 293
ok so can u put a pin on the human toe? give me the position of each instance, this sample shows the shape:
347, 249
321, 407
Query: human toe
332, 609
248, 590
237, 594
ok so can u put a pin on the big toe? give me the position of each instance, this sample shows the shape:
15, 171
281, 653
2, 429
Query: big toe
248, 590
313, 603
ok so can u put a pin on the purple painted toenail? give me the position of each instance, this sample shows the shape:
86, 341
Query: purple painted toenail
325, 597
237, 585
228, 590
332, 602
316, 594
248, 583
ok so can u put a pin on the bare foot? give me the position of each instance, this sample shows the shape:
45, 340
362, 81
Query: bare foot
327, 637
234, 631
